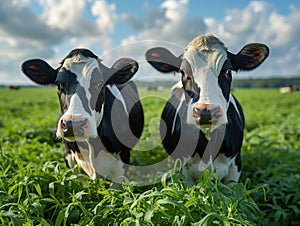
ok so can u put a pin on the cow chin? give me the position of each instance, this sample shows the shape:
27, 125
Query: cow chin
204, 127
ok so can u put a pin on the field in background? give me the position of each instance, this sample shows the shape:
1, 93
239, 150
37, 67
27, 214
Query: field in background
37, 188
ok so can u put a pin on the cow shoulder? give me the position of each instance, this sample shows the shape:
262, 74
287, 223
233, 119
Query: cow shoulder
235, 112
172, 118
134, 107
177, 90
126, 94
173, 111
123, 118
234, 129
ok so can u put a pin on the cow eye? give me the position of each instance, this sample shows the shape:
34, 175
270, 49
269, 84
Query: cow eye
98, 85
228, 72
59, 85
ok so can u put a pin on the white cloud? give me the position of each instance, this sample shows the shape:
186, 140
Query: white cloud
50, 34
260, 22
69, 17
19, 22
169, 22
241, 26
257, 22
65, 24
175, 10
106, 14
63, 14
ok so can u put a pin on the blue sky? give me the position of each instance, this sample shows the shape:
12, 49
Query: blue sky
49, 29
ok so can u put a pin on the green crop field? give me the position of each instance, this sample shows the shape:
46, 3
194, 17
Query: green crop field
36, 188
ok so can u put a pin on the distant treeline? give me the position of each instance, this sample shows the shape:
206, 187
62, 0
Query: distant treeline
237, 83
155, 84
266, 83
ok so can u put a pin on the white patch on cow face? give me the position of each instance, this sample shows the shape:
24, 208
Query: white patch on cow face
206, 67
83, 68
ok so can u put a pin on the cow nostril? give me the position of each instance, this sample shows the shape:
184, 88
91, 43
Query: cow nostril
197, 110
63, 124
71, 128
216, 112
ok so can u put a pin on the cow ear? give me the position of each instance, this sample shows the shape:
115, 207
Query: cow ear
39, 71
122, 70
249, 57
163, 60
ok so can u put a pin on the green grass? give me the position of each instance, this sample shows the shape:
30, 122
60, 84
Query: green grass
36, 188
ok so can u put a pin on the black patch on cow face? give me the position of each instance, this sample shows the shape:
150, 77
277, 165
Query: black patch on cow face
97, 90
225, 79
82, 96
66, 81
68, 85
189, 85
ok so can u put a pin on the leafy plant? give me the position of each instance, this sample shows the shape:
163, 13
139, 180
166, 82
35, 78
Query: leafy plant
36, 188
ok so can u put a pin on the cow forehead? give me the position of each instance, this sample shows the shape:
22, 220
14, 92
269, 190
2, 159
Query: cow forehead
205, 42
205, 53
82, 67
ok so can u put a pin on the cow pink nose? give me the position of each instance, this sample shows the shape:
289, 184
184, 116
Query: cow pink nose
206, 113
73, 127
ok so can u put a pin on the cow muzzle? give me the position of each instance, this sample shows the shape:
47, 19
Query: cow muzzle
73, 128
206, 115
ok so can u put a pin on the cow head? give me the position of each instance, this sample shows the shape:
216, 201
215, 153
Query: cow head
206, 67
81, 80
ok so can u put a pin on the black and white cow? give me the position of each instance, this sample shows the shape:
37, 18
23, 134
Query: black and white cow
202, 123
102, 117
